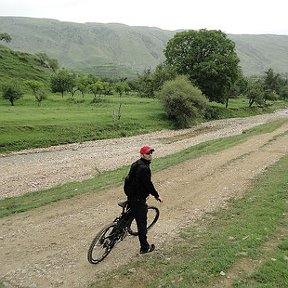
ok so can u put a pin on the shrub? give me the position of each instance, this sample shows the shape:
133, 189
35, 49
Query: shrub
182, 101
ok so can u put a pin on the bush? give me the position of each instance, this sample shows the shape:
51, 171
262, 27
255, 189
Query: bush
182, 101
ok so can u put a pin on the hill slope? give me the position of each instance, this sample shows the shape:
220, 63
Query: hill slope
21, 65
117, 50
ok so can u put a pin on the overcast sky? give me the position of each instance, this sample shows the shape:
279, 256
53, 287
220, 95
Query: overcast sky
230, 16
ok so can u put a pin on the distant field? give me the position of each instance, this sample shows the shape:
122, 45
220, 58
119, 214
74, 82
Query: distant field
67, 120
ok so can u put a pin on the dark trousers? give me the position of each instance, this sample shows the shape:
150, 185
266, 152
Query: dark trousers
139, 210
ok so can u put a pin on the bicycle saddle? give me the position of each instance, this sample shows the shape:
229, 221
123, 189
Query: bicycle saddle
123, 203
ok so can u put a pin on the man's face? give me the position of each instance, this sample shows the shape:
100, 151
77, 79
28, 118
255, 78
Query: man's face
147, 156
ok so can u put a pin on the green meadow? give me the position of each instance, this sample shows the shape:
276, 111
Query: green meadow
68, 120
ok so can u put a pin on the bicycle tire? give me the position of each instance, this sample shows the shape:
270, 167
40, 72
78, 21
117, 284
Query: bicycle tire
152, 217
102, 244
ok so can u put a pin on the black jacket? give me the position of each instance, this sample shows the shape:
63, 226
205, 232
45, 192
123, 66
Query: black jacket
142, 184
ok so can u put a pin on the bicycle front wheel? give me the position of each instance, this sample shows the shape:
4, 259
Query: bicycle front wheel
102, 244
152, 217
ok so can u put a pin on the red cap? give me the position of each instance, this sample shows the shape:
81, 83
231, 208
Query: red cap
146, 149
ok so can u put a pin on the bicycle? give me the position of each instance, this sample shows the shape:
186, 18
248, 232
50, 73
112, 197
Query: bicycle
111, 234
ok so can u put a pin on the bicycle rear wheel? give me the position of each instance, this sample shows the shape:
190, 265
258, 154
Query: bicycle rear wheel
102, 244
152, 217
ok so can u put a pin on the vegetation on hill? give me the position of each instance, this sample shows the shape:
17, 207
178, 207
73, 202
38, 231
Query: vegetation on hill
112, 49
21, 66
117, 50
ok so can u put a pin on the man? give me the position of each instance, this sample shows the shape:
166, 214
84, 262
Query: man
142, 187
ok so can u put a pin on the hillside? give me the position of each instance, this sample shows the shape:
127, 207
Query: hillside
117, 50
20, 65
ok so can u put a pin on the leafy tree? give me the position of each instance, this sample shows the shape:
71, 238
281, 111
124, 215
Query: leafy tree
62, 82
163, 73
5, 36
12, 92
145, 81
91, 79
208, 57
37, 90
270, 95
272, 80
82, 84
72, 87
121, 87
255, 92
96, 88
283, 93
107, 88
182, 101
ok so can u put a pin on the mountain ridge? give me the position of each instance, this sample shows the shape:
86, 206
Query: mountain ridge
118, 50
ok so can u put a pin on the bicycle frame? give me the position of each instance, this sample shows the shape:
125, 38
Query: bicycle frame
122, 221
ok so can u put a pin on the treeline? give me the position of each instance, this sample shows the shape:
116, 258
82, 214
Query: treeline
200, 67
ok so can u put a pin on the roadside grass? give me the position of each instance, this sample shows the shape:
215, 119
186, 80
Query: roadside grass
203, 253
239, 108
113, 178
68, 120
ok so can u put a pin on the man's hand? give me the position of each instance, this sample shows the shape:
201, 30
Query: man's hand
159, 199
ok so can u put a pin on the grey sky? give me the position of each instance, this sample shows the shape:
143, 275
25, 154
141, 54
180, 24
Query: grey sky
230, 16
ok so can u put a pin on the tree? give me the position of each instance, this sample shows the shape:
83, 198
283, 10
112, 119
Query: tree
146, 84
96, 88
163, 73
107, 88
283, 93
121, 87
62, 82
82, 84
5, 36
208, 57
12, 92
255, 92
272, 81
37, 90
182, 101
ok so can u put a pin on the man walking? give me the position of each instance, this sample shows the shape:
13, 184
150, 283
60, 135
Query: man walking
141, 187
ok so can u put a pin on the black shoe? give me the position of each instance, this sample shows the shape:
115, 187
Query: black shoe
150, 249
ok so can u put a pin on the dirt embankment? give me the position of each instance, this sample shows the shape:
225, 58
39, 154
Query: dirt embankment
47, 247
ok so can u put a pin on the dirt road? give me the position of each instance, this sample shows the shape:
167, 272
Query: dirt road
47, 247
37, 169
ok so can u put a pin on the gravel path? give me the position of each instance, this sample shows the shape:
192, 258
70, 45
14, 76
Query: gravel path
47, 247
38, 169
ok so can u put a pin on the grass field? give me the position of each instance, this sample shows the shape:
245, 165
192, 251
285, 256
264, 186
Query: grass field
67, 120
